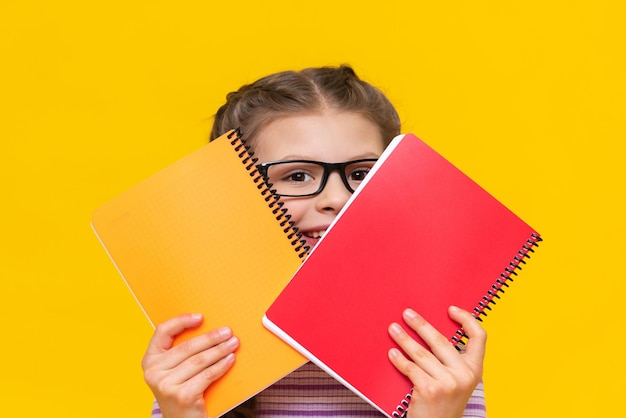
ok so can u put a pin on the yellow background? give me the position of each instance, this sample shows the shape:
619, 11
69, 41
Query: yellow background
526, 97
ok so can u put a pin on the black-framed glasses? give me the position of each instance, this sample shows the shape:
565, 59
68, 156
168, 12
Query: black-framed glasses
300, 178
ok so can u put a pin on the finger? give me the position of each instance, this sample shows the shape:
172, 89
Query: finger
477, 336
439, 344
191, 347
201, 380
207, 362
420, 357
166, 332
178, 397
407, 367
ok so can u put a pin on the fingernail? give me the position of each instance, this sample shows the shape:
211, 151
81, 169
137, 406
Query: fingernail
454, 309
410, 313
395, 329
196, 316
224, 332
393, 352
232, 343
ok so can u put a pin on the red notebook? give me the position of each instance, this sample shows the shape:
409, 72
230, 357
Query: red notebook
418, 233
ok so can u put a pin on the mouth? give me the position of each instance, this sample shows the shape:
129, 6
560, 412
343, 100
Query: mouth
312, 237
314, 234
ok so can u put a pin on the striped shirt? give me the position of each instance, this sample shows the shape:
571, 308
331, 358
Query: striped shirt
310, 392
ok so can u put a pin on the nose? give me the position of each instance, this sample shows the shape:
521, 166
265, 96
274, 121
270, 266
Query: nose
334, 196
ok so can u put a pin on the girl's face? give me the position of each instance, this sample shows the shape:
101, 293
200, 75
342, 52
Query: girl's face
330, 137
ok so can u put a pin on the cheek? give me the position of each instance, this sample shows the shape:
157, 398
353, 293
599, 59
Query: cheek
296, 208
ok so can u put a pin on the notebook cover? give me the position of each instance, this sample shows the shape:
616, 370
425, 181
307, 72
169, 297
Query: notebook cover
418, 233
199, 236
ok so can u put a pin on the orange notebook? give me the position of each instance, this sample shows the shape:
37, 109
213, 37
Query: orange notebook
205, 235
418, 233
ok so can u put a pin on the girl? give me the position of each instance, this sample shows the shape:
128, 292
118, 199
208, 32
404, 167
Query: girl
326, 115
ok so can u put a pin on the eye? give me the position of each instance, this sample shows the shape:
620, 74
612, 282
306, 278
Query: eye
297, 176
358, 174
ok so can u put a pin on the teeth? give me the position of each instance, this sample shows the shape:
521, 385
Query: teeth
316, 234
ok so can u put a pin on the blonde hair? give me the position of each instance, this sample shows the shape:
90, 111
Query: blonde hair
286, 93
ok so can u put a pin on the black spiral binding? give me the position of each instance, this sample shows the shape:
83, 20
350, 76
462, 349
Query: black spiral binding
273, 202
498, 286
460, 338
402, 409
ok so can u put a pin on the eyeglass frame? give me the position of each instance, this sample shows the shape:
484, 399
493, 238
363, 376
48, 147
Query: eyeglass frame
328, 169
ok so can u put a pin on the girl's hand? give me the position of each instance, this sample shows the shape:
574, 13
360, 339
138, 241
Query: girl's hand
444, 379
178, 376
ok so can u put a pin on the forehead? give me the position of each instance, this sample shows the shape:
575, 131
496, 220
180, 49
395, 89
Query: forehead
327, 136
